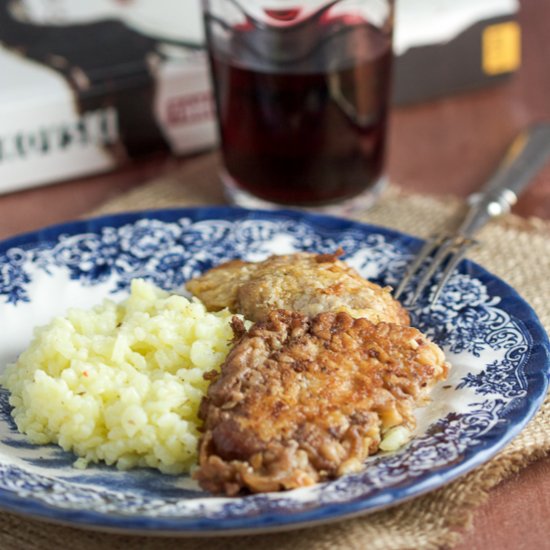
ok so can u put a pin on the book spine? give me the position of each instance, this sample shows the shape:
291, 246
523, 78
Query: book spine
51, 141
184, 106
46, 143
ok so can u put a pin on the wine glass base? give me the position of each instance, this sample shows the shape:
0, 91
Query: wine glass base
347, 207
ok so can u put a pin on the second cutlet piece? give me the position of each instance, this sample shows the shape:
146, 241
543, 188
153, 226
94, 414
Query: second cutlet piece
303, 282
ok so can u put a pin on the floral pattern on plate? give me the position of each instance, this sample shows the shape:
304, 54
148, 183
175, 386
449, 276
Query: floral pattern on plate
497, 347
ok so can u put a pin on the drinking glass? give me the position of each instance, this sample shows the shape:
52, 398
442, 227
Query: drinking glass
302, 92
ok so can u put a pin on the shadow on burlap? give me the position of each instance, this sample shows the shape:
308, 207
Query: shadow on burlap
427, 522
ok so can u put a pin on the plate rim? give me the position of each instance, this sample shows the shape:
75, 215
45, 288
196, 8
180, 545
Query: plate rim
174, 526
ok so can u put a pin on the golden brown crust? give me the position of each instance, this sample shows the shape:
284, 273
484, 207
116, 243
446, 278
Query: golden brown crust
300, 399
303, 282
217, 287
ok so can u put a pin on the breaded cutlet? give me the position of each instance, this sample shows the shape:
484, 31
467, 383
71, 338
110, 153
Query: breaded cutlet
300, 400
303, 282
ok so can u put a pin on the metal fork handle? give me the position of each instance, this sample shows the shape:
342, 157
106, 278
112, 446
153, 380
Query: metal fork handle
525, 157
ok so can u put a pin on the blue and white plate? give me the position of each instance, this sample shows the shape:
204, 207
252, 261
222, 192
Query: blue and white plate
497, 347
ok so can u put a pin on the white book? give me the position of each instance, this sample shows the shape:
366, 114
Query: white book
83, 106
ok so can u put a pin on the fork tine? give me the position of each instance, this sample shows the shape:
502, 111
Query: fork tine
427, 248
451, 265
438, 259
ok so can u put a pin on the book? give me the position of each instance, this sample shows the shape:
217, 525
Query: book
88, 86
443, 47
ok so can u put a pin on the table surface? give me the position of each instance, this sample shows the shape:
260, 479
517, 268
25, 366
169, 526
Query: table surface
441, 147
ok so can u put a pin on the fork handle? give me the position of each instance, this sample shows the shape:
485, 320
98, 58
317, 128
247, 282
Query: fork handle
523, 160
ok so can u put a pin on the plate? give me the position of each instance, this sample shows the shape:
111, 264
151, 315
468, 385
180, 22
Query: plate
497, 346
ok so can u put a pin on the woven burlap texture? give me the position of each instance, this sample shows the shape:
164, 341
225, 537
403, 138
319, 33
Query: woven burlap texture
427, 522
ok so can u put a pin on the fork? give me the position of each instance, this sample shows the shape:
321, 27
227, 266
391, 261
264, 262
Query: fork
523, 160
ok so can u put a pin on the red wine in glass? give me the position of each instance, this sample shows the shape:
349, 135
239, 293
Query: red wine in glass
302, 111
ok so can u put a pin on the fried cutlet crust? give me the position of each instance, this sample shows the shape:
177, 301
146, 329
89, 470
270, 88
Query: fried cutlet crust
303, 282
300, 400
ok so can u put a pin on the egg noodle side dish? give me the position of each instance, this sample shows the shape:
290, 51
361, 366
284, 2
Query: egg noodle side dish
121, 383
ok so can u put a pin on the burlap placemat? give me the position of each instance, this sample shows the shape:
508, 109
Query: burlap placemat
509, 245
